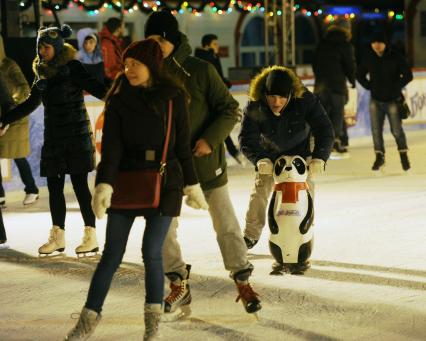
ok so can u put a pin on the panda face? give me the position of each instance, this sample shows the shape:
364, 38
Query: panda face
290, 169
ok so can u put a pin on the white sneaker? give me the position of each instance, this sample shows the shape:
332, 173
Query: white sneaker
3, 245
30, 198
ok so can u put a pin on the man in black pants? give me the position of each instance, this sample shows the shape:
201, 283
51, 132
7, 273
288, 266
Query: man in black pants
334, 63
210, 53
388, 74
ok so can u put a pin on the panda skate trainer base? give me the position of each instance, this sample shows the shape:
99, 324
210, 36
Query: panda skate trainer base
290, 217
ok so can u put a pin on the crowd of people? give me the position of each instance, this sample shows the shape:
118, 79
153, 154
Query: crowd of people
161, 100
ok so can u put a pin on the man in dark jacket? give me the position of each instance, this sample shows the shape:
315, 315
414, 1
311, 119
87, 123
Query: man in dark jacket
334, 63
213, 113
388, 73
210, 53
279, 120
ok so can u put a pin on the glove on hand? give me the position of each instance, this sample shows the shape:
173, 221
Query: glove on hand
101, 199
316, 166
264, 166
195, 197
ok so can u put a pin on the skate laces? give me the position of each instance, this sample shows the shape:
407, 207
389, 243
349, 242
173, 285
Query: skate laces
246, 293
177, 291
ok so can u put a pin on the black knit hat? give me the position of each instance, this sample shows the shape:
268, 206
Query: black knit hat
53, 36
279, 82
379, 36
164, 24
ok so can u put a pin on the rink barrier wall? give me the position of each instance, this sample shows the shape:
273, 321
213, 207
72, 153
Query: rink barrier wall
415, 94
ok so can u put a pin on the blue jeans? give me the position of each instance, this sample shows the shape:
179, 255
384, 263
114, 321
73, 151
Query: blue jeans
378, 112
117, 233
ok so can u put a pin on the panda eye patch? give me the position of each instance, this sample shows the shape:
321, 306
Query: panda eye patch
299, 165
279, 167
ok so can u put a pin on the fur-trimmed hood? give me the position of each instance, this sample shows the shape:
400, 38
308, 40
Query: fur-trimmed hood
44, 70
257, 85
336, 34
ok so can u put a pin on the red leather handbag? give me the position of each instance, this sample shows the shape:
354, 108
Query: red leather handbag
141, 188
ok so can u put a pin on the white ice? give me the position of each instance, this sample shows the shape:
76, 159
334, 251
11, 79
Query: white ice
367, 282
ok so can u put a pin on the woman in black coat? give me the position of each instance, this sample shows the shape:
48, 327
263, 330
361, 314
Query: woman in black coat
133, 139
68, 146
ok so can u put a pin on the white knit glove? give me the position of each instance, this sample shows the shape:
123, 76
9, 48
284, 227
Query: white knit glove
101, 199
316, 167
265, 166
195, 197
4, 129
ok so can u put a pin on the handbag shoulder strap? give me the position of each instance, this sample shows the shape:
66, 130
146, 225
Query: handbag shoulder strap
166, 143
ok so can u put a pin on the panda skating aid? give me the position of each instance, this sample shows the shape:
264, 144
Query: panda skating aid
290, 217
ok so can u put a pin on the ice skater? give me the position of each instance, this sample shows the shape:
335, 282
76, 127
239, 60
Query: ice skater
67, 147
280, 119
133, 138
212, 115
388, 72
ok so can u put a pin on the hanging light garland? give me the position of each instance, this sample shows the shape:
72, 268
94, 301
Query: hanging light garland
196, 7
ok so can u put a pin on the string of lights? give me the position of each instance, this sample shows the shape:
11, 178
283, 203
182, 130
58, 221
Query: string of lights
198, 7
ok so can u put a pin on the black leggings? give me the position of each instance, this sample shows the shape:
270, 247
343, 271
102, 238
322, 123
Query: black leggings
2, 230
57, 199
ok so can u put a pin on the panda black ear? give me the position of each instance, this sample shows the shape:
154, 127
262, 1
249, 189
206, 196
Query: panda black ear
279, 166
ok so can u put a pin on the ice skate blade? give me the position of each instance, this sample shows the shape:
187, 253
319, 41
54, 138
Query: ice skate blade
88, 254
256, 315
180, 314
380, 172
54, 254
339, 156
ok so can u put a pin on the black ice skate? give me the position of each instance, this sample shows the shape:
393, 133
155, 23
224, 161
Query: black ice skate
177, 305
379, 163
339, 151
404, 161
250, 243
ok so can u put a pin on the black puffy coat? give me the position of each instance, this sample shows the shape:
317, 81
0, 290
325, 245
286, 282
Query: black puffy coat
68, 145
264, 135
135, 122
334, 62
387, 74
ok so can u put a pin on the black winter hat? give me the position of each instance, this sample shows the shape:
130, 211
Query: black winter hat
379, 36
279, 82
164, 24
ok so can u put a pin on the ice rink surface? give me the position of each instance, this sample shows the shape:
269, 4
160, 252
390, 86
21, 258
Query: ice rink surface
367, 281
